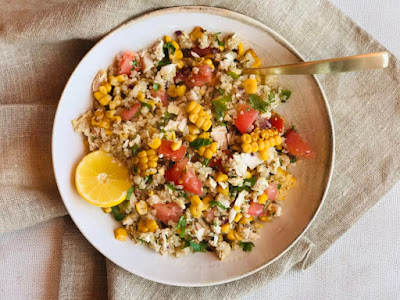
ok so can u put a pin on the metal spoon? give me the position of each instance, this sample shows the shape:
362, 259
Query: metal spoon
360, 62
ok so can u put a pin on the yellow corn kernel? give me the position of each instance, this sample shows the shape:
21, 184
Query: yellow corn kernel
267, 144
196, 33
197, 109
153, 158
248, 175
225, 228
223, 191
196, 207
201, 150
121, 234
264, 155
140, 96
135, 160
238, 236
213, 147
167, 39
181, 90
151, 225
264, 218
237, 208
208, 153
121, 78
209, 62
262, 198
143, 167
180, 64
206, 125
278, 139
264, 134
103, 90
221, 177
171, 136
204, 135
110, 114
202, 113
206, 202
109, 132
272, 141
98, 95
257, 61
238, 217
261, 145
236, 148
143, 160
246, 138
107, 210
141, 207
193, 117
152, 164
231, 235
193, 129
151, 152
240, 49
172, 91
112, 80
116, 102
254, 147
105, 124
155, 143
221, 48
105, 100
151, 193
142, 153
107, 86
190, 137
199, 121
95, 122
246, 148
99, 114
191, 106
245, 220
254, 136
142, 226
178, 54
250, 86
175, 146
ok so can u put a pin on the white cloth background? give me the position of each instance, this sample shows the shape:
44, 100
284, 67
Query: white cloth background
363, 264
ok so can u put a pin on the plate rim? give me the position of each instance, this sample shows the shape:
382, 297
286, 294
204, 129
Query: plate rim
277, 37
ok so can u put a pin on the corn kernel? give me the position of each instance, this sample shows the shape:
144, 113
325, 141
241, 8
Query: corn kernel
264, 155
152, 164
178, 54
237, 208
167, 39
246, 138
105, 124
206, 125
142, 153
191, 106
213, 147
196, 207
105, 100
151, 225
254, 147
221, 177
262, 198
238, 237
206, 200
240, 49
112, 80
223, 191
135, 160
193, 129
231, 235
245, 220
107, 86
141, 207
197, 109
204, 135
153, 158
142, 167
199, 121
246, 148
171, 136
264, 218
250, 86
264, 134
176, 45
121, 78
272, 141
257, 61
151, 193
109, 132
196, 33
98, 95
190, 137
202, 113
140, 96
142, 226
248, 174
181, 90
201, 150
254, 136
225, 228
278, 139
121, 234
175, 146
154, 144
238, 217
208, 153
151, 152
103, 90
143, 160
193, 117
261, 145
107, 210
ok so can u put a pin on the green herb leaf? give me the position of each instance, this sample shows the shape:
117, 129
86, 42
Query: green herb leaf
221, 91
117, 214
181, 226
148, 179
146, 105
207, 161
257, 103
168, 116
247, 184
233, 75
130, 191
266, 205
135, 150
219, 105
134, 64
202, 247
286, 95
196, 144
183, 194
214, 202
218, 41
271, 97
247, 246
135, 169
214, 224
142, 241
279, 186
293, 159
166, 61
171, 187
156, 86
169, 46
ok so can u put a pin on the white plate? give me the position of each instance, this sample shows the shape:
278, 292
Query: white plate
307, 109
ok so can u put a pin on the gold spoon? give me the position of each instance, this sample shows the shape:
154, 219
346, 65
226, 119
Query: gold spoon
378, 60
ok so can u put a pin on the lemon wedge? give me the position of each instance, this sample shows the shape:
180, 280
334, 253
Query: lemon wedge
101, 179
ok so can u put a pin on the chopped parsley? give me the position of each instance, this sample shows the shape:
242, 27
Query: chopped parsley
219, 105
214, 223
218, 41
213, 203
129, 193
271, 97
233, 75
168, 116
257, 103
221, 91
135, 169
279, 186
135, 150
171, 187
246, 246
166, 61
183, 194
202, 247
247, 184
293, 159
148, 179
286, 95
134, 64
196, 144
142, 241
207, 161
181, 226
117, 213
266, 205
156, 86
169, 46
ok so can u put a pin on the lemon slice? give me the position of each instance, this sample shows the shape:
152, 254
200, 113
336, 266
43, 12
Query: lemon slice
101, 179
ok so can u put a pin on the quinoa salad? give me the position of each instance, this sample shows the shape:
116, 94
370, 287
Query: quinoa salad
203, 159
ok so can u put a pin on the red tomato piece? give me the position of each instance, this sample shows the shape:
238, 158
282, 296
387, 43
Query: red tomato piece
162, 94
297, 146
203, 76
271, 191
179, 77
203, 52
180, 175
166, 151
129, 113
125, 66
217, 163
277, 122
246, 116
209, 215
256, 209
168, 212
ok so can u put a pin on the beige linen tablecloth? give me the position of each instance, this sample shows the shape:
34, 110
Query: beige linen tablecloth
42, 42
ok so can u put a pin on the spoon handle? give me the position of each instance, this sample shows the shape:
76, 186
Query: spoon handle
360, 62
